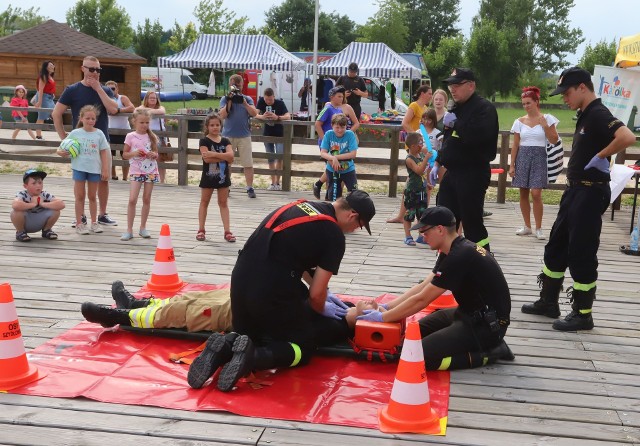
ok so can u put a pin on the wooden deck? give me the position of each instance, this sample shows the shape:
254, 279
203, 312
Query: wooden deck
562, 389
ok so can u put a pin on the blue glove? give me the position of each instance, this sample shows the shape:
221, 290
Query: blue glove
433, 176
370, 315
385, 306
602, 164
449, 119
334, 299
333, 311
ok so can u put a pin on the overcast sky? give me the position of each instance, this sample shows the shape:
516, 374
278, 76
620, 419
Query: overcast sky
597, 19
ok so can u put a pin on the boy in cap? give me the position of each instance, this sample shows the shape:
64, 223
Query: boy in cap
35, 209
575, 235
471, 335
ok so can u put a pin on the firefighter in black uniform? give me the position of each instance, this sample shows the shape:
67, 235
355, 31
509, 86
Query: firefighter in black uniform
575, 234
472, 334
273, 312
469, 144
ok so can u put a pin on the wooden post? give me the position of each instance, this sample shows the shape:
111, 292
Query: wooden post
286, 156
183, 156
504, 156
393, 162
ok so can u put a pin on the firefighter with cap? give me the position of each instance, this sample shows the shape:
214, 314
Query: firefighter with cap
355, 88
272, 309
575, 235
469, 144
471, 335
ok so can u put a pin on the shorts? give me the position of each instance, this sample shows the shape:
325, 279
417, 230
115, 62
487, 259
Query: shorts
349, 179
47, 102
415, 204
274, 147
17, 118
79, 175
244, 150
116, 139
145, 178
35, 221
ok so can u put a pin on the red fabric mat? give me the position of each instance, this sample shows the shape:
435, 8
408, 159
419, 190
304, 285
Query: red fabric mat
115, 366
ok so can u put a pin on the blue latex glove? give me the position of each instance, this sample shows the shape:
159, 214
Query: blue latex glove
449, 119
333, 310
602, 164
385, 306
370, 315
334, 299
433, 176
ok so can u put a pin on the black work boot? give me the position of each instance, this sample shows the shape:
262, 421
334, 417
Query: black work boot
240, 364
216, 353
105, 315
580, 317
124, 299
501, 351
547, 305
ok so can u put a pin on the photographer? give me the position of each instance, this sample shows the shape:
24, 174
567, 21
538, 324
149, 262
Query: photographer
355, 88
471, 335
236, 109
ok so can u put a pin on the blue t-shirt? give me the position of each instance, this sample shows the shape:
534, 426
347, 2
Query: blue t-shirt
91, 143
326, 114
336, 146
78, 95
237, 123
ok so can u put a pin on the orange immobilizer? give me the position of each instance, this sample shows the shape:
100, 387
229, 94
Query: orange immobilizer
446, 300
15, 370
164, 275
409, 409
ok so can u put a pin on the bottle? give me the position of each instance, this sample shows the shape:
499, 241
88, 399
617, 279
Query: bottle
633, 244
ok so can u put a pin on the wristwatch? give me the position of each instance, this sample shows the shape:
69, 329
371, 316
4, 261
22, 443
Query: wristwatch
118, 110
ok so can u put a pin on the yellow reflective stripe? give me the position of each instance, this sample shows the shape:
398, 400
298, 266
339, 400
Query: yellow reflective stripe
143, 317
583, 286
150, 315
445, 364
586, 311
485, 360
553, 274
297, 354
483, 242
154, 301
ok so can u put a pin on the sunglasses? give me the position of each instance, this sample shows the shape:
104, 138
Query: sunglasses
93, 70
113, 88
426, 229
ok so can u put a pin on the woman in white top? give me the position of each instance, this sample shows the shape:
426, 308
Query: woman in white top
529, 157
151, 102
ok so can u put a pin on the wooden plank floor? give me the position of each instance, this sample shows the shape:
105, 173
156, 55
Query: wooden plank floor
563, 388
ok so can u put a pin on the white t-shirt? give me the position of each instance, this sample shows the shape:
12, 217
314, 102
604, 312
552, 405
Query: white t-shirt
533, 136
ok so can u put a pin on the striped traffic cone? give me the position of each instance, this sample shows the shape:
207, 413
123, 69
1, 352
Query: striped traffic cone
15, 370
164, 275
409, 409
446, 300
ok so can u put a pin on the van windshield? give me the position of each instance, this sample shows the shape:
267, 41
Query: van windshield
186, 79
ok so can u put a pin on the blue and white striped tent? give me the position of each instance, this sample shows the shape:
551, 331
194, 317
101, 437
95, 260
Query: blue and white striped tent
233, 52
373, 59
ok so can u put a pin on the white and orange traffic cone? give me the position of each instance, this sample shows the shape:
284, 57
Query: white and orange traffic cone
446, 300
409, 409
15, 370
164, 275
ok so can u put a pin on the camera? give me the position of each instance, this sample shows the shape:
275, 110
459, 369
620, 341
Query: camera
235, 95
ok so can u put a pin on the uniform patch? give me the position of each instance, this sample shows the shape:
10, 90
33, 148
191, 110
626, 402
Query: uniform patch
481, 250
614, 122
308, 209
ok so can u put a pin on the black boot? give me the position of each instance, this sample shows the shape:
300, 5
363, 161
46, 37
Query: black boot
240, 364
217, 352
547, 305
501, 351
125, 299
580, 317
104, 315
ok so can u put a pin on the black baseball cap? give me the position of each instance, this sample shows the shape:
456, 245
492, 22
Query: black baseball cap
338, 89
353, 66
435, 216
33, 173
361, 202
459, 75
571, 77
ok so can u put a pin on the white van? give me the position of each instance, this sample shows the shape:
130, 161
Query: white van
171, 81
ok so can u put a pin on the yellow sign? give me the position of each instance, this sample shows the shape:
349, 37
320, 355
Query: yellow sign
628, 52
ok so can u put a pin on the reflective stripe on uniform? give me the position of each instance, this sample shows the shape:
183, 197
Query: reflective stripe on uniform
144, 317
583, 286
553, 274
297, 354
483, 242
445, 364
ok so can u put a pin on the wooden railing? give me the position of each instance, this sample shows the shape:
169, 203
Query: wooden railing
392, 162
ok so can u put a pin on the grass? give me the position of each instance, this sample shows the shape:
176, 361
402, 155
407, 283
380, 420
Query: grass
172, 107
507, 116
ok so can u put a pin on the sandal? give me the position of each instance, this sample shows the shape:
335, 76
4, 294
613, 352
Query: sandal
228, 236
49, 234
200, 235
22, 236
409, 241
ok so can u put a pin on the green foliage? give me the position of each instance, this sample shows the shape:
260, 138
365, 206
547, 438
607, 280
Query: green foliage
429, 21
16, 19
536, 79
102, 19
215, 19
602, 53
182, 37
449, 54
487, 56
387, 25
147, 41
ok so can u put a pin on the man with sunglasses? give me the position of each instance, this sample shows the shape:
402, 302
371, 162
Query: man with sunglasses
89, 91
471, 335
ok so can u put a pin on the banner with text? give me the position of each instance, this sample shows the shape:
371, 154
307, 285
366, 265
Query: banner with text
619, 90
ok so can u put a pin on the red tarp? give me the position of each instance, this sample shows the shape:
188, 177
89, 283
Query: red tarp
115, 366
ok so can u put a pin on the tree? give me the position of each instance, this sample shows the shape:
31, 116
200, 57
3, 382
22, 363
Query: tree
182, 37
449, 54
602, 53
102, 19
387, 25
16, 19
487, 56
215, 19
429, 21
147, 41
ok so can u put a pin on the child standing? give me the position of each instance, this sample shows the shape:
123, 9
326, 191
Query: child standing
89, 163
20, 100
217, 155
339, 147
415, 196
141, 149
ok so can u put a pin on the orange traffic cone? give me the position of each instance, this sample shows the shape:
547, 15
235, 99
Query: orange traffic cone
446, 300
409, 409
15, 370
164, 275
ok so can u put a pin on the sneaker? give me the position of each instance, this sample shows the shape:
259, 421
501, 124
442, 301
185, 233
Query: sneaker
144, 233
487, 213
278, 187
84, 221
272, 187
316, 189
95, 227
420, 241
524, 231
539, 234
126, 236
251, 193
82, 229
106, 220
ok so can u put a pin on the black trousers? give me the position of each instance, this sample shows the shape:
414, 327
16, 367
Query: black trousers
575, 235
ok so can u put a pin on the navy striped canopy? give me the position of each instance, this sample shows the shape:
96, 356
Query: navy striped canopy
234, 52
373, 59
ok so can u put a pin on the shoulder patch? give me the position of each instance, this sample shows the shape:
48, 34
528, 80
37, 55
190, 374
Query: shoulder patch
481, 250
614, 122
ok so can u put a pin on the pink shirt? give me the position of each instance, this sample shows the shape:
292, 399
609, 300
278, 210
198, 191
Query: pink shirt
140, 165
